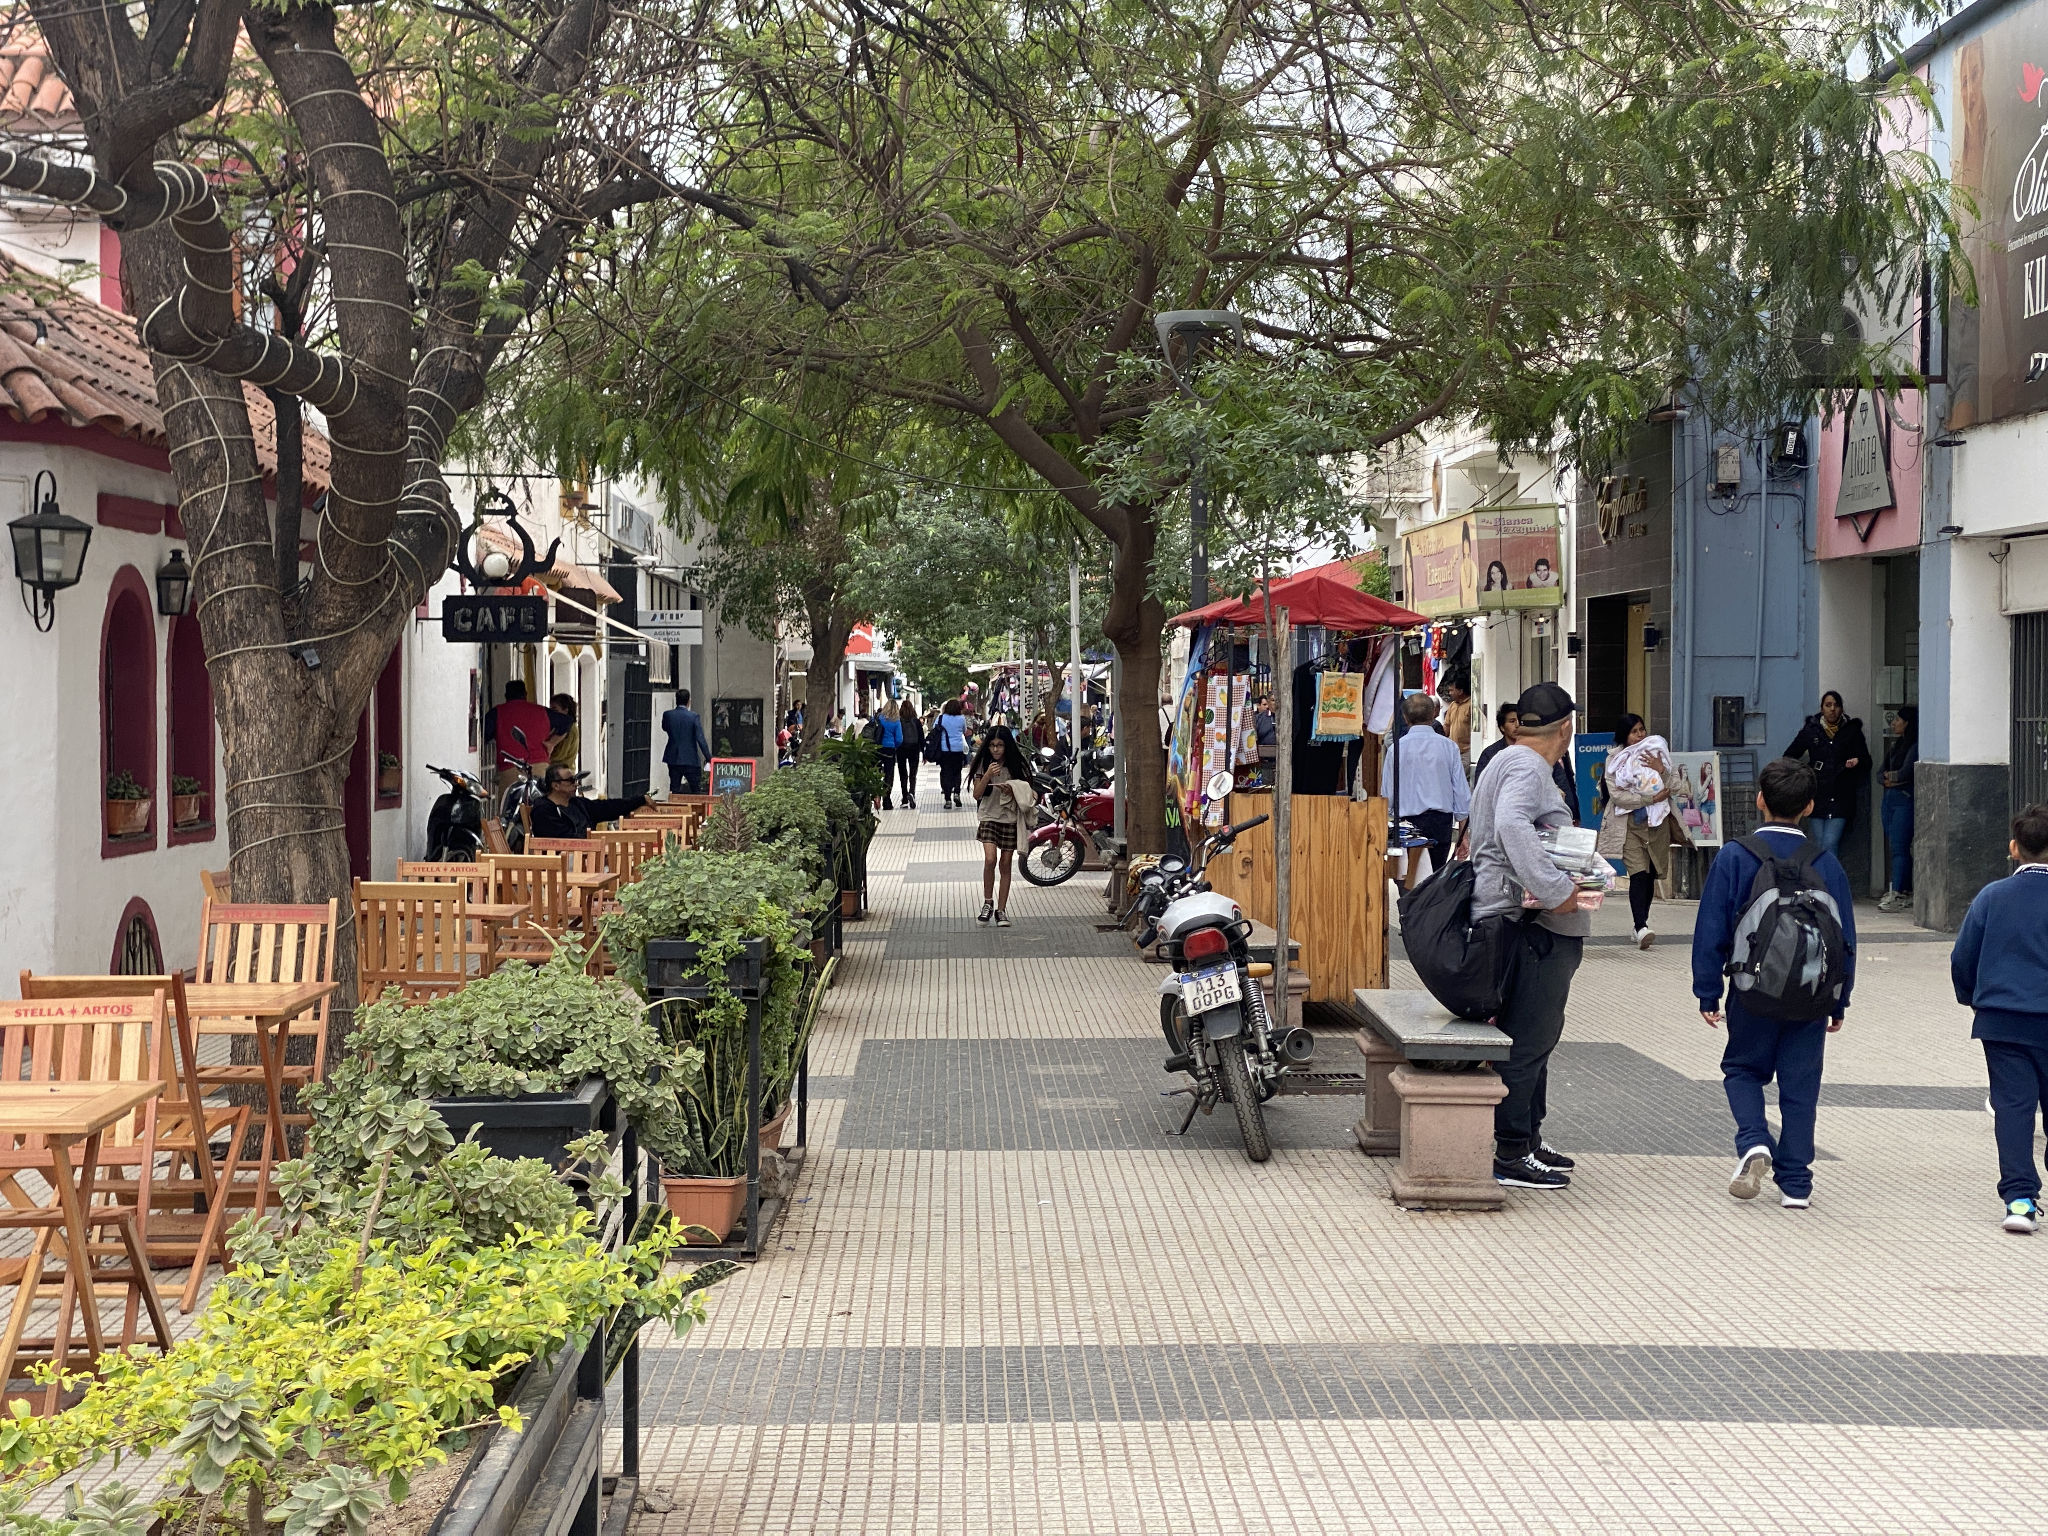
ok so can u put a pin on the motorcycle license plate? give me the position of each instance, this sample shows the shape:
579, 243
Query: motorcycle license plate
1213, 988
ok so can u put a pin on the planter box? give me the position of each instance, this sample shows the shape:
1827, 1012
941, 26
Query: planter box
127, 818
849, 905
534, 1124
547, 1479
717, 1205
771, 1128
671, 968
186, 810
390, 781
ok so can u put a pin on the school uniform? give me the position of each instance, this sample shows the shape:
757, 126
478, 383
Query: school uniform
1760, 1049
2000, 969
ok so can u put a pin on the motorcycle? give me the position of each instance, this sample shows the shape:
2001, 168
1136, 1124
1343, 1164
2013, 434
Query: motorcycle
1057, 848
455, 826
1212, 1011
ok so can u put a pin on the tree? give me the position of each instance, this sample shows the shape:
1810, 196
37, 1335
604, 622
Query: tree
419, 179
1537, 218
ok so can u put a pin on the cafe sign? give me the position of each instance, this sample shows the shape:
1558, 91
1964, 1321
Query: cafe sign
486, 619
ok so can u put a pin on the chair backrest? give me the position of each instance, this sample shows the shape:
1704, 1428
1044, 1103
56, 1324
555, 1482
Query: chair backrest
93, 1038
410, 934
474, 879
580, 855
214, 883
270, 942
630, 847
538, 879
181, 1075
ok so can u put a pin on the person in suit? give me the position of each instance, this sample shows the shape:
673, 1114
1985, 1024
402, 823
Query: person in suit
688, 747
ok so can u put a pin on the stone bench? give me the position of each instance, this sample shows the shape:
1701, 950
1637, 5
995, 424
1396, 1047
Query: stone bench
1429, 1099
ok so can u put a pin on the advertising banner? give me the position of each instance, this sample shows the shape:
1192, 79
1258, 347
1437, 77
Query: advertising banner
1487, 561
1443, 572
1696, 797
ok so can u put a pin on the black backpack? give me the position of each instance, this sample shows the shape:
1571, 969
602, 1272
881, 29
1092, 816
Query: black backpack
1789, 960
1466, 965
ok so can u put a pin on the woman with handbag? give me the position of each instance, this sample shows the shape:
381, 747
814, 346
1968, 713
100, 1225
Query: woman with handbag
1003, 801
1636, 824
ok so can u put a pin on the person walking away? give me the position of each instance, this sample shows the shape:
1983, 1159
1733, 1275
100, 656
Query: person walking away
993, 779
890, 746
951, 732
518, 713
1514, 803
688, 748
1762, 1048
568, 747
1637, 826
1434, 795
2000, 969
1900, 758
1832, 744
911, 752
1458, 715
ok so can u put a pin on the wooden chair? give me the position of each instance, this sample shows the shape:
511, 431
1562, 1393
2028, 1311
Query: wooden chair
584, 861
540, 880
475, 880
121, 1041
186, 1126
214, 882
632, 846
411, 935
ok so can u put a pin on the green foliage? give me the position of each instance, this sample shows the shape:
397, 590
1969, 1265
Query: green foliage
121, 785
857, 763
223, 1426
185, 784
345, 1494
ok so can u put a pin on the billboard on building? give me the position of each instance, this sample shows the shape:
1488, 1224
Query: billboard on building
1488, 560
1998, 351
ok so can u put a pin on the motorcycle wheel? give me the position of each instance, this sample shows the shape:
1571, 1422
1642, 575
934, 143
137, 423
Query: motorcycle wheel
1237, 1087
1056, 860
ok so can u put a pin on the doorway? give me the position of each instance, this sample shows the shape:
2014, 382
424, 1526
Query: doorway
1617, 671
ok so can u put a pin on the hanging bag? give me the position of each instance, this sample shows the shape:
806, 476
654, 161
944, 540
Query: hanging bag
1467, 965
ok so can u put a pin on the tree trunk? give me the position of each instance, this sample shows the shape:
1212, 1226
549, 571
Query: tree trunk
1132, 624
831, 626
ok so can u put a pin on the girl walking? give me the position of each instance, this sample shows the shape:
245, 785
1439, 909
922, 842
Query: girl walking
998, 781
1636, 825
911, 753
890, 744
1900, 759
950, 731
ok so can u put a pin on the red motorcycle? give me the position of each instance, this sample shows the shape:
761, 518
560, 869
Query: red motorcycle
1056, 850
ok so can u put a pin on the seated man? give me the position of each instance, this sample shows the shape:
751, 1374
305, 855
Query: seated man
567, 814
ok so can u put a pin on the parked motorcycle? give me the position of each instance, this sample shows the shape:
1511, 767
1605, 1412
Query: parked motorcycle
1057, 848
1211, 1009
530, 790
455, 826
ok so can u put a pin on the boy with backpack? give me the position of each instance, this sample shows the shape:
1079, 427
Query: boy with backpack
1776, 925
2000, 968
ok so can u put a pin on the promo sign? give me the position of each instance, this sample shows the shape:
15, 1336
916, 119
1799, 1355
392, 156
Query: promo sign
1866, 461
482, 619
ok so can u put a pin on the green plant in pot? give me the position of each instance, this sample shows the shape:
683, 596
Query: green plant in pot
127, 805
186, 795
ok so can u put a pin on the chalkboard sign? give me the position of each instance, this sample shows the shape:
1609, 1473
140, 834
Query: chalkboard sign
736, 727
731, 775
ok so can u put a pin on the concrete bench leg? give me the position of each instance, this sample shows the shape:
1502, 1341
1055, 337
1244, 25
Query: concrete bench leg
1447, 1139
1379, 1133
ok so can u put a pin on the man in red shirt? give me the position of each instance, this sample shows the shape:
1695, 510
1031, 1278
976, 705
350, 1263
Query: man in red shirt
517, 713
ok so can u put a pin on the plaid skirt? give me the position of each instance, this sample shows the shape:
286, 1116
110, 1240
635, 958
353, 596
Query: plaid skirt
1001, 832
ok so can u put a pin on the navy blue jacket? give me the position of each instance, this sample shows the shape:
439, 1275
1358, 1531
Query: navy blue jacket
2000, 962
1727, 893
687, 746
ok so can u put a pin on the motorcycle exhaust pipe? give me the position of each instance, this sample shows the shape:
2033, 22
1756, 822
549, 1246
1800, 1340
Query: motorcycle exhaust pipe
1295, 1046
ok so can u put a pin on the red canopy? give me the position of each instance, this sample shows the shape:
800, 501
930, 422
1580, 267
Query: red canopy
1325, 595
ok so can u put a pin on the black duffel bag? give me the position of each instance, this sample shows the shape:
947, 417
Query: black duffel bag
1466, 965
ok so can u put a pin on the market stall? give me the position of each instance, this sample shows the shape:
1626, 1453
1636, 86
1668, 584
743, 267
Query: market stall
1341, 673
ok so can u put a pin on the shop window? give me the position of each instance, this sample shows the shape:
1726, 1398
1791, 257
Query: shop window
136, 950
190, 722
128, 708
389, 708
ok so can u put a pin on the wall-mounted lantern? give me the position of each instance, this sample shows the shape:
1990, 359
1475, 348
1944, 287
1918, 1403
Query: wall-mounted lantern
49, 552
173, 586
496, 568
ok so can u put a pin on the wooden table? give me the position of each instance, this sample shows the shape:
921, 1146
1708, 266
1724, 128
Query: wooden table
269, 1006
590, 887
64, 1114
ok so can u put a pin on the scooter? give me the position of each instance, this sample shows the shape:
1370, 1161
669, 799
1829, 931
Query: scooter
1057, 848
455, 826
1211, 1009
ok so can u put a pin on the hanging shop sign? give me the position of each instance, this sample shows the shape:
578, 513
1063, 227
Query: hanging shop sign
1866, 460
484, 619
1486, 561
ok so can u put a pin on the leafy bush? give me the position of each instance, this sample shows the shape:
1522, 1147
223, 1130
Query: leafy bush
185, 784
858, 762
121, 785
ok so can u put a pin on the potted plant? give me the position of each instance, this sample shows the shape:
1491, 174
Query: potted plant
188, 800
127, 805
390, 774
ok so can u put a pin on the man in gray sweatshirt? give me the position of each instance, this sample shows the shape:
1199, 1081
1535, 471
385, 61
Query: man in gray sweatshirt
1516, 797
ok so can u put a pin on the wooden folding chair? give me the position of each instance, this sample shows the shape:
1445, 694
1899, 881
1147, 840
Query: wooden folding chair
540, 880
589, 877
91, 1039
632, 846
411, 935
214, 882
186, 1126
267, 943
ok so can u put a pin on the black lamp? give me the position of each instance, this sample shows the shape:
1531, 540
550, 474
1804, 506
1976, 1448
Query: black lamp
49, 552
173, 586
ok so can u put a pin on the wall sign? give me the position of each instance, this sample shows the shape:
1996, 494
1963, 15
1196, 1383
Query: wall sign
1866, 461
732, 775
736, 727
481, 619
1487, 560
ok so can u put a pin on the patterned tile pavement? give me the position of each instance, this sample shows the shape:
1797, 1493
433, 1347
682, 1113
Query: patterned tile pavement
1005, 1300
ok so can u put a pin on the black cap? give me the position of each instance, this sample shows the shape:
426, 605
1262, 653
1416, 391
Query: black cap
1544, 704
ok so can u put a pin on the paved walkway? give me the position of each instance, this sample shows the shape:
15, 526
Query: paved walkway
1006, 1301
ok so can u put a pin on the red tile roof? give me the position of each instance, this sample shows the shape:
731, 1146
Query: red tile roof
88, 370
567, 575
32, 94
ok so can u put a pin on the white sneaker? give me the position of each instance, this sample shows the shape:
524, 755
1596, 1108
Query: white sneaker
1645, 937
988, 910
2022, 1216
1795, 1202
1751, 1170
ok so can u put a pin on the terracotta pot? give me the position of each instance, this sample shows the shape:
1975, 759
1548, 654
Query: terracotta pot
715, 1204
771, 1128
127, 818
185, 810
849, 905
390, 781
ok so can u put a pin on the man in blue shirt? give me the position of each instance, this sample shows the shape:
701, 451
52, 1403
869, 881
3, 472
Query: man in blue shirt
1758, 1048
2000, 968
688, 749
1434, 794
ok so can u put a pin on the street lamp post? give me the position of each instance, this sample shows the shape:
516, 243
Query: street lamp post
1183, 334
